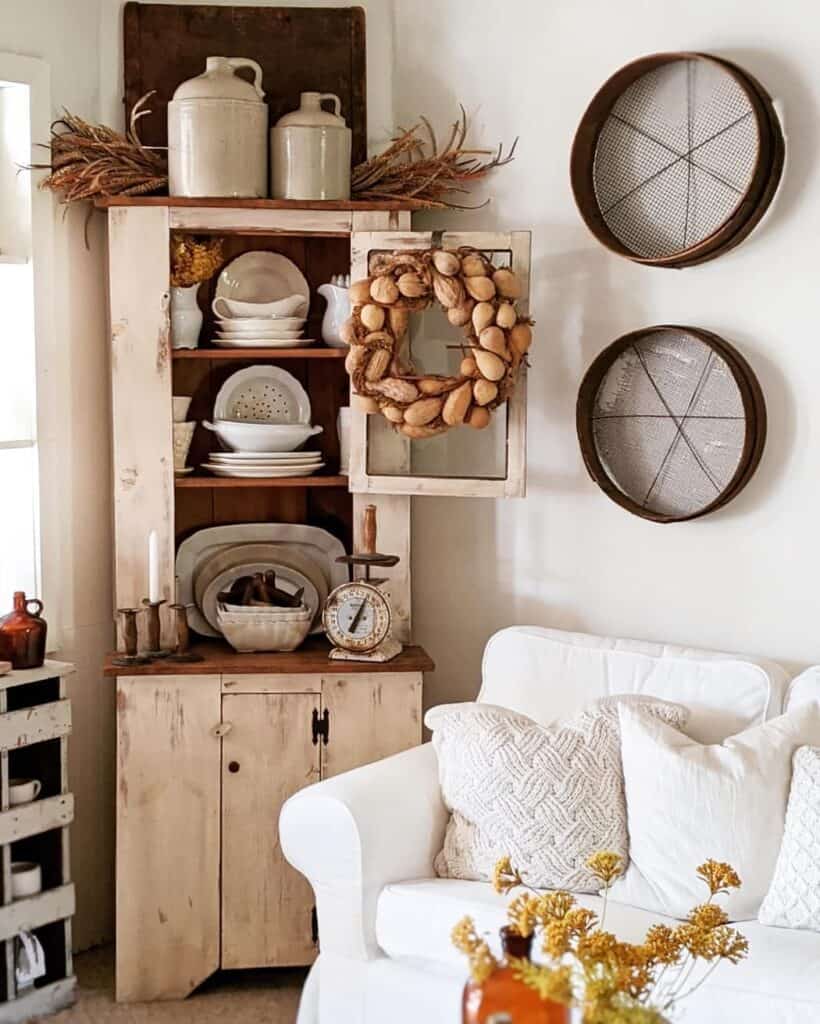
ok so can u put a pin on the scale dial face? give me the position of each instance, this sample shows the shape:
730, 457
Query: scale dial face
357, 617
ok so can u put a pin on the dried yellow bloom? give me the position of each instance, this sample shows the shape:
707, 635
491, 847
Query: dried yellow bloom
708, 915
720, 877
554, 906
551, 983
730, 945
482, 963
466, 940
464, 937
606, 865
522, 913
505, 877
597, 947
193, 259
580, 920
663, 944
556, 940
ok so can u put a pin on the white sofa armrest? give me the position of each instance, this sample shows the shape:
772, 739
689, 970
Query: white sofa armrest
353, 834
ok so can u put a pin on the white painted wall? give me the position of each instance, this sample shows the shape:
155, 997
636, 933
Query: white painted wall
741, 579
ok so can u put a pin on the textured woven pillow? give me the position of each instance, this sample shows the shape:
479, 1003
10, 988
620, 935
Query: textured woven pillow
549, 796
793, 899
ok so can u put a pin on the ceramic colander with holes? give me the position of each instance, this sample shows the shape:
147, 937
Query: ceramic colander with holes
262, 394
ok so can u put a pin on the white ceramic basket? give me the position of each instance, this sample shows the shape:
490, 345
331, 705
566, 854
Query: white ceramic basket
264, 629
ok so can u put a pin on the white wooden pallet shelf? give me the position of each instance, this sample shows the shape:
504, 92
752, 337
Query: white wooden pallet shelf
35, 721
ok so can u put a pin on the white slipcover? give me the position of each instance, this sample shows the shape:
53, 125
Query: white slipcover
366, 841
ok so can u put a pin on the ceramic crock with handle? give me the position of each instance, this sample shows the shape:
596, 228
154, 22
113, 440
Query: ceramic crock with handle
217, 133
310, 151
23, 634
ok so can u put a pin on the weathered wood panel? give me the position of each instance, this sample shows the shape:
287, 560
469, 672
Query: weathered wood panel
41, 1002
165, 44
30, 913
261, 222
139, 272
271, 683
168, 795
34, 725
267, 755
34, 818
371, 717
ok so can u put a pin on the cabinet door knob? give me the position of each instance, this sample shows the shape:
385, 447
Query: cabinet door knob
233, 766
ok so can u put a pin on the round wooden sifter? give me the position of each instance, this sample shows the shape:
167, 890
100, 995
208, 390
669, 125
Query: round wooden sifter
671, 422
676, 159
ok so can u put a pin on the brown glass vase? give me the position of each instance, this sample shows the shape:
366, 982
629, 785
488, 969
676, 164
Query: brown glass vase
23, 634
501, 999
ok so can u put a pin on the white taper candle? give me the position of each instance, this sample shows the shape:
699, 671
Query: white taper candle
153, 566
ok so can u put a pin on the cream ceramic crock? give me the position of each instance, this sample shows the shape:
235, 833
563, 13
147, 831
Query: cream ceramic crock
310, 151
217, 133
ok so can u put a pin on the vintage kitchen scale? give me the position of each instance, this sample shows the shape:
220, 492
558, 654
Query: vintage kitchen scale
357, 616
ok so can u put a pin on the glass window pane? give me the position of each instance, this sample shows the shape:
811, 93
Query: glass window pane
18, 522
17, 386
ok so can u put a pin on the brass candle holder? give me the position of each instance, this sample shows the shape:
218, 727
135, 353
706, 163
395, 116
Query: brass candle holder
128, 626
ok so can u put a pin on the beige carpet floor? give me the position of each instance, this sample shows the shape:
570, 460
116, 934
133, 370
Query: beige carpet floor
232, 997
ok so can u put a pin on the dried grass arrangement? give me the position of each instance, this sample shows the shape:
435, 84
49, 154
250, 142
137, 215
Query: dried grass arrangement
93, 161
414, 168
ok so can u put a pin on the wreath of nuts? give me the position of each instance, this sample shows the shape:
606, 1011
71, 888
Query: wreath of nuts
476, 296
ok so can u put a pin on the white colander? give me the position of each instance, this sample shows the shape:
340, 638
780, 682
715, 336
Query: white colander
262, 394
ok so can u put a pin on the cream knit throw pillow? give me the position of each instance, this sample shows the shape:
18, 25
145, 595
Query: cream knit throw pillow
549, 796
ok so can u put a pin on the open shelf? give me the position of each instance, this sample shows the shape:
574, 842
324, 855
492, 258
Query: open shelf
254, 354
262, 481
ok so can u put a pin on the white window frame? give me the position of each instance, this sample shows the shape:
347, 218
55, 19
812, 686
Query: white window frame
35, 74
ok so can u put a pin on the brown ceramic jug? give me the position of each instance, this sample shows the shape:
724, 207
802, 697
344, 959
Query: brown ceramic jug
23, 635
501, 998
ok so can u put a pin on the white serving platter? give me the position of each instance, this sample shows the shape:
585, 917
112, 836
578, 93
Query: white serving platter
261, 472
261, 277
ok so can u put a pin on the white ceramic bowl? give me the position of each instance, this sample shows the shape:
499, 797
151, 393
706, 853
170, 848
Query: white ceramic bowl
242, 436
293, 305
246, 325
181, 405
272, 629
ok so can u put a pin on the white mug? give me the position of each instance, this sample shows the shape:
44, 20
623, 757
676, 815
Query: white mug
23, 791
31, 961
26, 879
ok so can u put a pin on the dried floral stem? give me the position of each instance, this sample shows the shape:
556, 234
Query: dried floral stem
413, 168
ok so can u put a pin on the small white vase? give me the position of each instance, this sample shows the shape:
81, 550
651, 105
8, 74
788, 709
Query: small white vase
186, 317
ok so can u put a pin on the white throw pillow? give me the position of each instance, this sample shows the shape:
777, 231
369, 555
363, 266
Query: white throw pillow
793, 899
547, 796
687, 803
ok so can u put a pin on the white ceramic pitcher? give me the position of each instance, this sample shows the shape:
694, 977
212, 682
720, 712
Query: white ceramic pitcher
338, 310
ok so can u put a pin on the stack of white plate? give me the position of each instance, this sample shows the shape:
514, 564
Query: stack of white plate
264, 464
261, 300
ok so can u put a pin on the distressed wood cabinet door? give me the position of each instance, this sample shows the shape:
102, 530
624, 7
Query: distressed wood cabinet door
268, 754
167, 835
371, 716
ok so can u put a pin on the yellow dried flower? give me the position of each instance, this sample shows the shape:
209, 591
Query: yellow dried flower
466, 940
606, 865
464, 937
505, 876
596, 947
556, 940
482, 963
707, 915
551, 983
580, 921
720, 877
522, 914
663, 944
194, 259
554, 906
730, 945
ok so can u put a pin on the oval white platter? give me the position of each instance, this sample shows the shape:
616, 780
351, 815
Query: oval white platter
262, 472
261, 277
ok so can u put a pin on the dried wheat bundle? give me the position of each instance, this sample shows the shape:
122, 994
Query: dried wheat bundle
413, 168
92, 161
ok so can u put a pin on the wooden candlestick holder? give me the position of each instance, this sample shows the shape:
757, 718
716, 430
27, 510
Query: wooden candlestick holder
181, 652
153, 629
128, 626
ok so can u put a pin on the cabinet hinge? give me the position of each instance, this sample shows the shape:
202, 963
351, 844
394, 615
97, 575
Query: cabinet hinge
321, 726
314, 926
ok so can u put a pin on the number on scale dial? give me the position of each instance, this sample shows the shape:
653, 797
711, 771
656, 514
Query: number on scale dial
357, 617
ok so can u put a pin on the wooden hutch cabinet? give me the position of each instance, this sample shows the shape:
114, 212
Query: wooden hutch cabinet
208, 752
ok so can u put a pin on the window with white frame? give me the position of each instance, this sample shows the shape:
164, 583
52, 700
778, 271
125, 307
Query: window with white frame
19, 455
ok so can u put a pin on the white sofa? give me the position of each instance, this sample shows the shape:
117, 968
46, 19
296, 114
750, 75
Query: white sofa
366, 841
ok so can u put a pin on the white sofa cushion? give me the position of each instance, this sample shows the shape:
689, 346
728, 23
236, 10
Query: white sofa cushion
549, 796
793, 899
803, 689
778, 984
687, 802
549, 674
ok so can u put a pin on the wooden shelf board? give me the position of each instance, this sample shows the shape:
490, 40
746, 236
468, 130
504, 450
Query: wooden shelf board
252, 354
214, 482
219, 202
40, 1002
311, 659
49, 670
